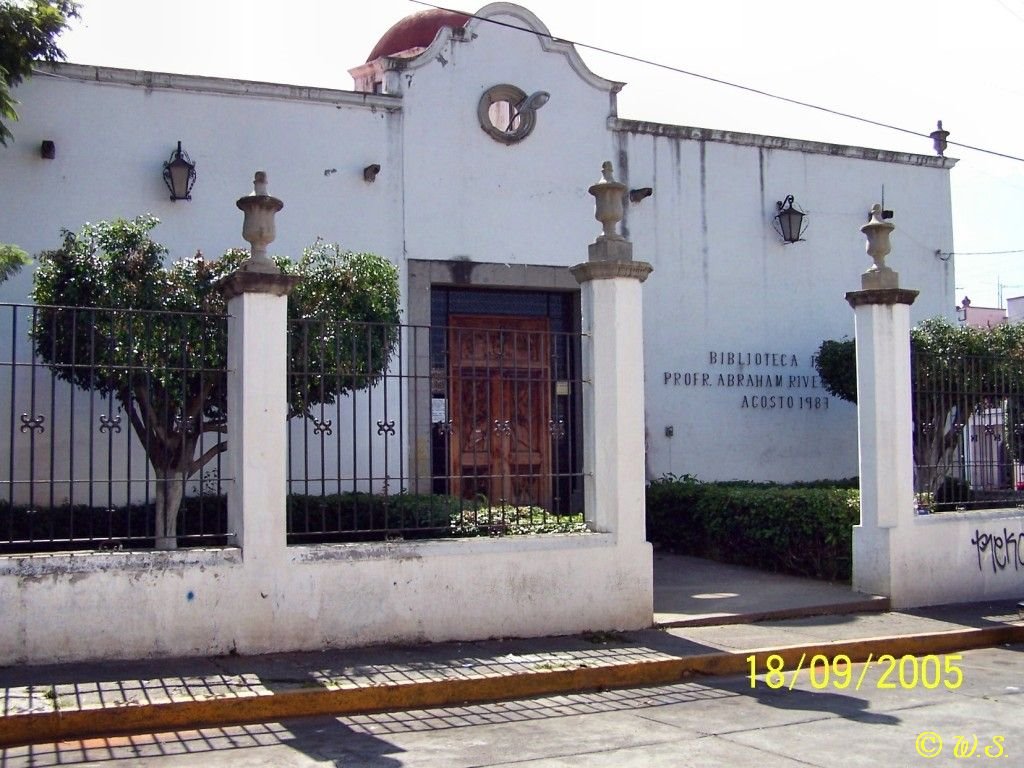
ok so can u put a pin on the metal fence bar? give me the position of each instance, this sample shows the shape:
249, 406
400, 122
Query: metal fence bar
968, 432
428, 443
78, 469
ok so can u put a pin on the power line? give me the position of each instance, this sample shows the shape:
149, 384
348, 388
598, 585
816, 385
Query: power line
978, 253
719, 81
1010, 10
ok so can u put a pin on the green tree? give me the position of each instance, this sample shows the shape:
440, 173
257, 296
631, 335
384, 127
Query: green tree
12, 259
28, 32
145, 337
836, 363
956, 370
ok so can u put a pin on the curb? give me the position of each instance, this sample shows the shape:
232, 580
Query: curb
867, 605
48, 727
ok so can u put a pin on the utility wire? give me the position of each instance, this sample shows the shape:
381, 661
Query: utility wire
719, 81
977, 253
1010, 10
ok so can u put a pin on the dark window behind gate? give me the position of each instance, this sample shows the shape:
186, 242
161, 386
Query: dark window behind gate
505, 405
474, 429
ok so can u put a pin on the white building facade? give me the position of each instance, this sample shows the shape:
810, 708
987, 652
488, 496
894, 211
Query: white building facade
471, 208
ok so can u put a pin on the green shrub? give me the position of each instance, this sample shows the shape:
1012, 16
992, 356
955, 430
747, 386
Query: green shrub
344, 517
349, 517
68, 527
804, 529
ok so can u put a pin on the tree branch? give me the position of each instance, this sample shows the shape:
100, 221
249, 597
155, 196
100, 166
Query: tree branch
125, 396
149, 415
195, 405
199, 463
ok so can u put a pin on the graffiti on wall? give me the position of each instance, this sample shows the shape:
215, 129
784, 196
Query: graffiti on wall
1000, 550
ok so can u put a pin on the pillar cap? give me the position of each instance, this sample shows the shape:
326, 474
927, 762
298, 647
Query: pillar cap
247, 281
605, 270
888, 296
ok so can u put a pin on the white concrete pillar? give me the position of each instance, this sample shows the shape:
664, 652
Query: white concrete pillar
613, 372
257, 393
257, 402
884, 416
613, 396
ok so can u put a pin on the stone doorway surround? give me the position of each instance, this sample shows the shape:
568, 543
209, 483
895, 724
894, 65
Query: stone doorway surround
460, 273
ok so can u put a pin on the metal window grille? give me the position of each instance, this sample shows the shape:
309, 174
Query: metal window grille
432, 431
968, 432
94, 398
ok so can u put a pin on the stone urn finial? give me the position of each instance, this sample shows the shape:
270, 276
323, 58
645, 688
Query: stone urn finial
258, 227
608, 193
939, 139
877, 231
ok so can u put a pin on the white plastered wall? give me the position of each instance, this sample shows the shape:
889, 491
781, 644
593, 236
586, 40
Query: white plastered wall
139, 605
725, 283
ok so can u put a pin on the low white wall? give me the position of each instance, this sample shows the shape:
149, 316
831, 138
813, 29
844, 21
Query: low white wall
124, 605
958, 557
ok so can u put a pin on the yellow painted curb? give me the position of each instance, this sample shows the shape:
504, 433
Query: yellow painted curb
47, 727
868, 605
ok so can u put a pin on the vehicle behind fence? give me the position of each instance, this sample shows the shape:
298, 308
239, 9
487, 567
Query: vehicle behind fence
118, 430
968, 431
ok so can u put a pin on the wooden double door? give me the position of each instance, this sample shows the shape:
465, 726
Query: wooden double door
500, 395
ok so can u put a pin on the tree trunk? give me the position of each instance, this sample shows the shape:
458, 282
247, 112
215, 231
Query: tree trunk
937, 448
170, 487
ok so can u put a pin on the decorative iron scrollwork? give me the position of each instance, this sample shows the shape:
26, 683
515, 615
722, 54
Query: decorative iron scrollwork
110, 423
32, 423
385, 427
990, 430
322, 427
928, 427
557, 428
503, 427
185, 424
445, 427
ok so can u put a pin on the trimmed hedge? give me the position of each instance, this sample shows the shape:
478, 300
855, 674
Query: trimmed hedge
370, 517
348, 517
804, 529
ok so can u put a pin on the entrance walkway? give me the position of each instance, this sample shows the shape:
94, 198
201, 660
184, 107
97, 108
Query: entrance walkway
689, 591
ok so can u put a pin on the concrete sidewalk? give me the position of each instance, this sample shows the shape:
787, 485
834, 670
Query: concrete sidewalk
692, 592
50, 703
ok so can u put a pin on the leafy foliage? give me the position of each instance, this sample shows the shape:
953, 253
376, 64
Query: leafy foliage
836, 363
343, 320
956, 369
945, 346
349, 517
12, 259
114, 320
28, 31
803, 530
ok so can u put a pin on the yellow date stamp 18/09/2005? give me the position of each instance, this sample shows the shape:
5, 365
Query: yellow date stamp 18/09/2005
907, 672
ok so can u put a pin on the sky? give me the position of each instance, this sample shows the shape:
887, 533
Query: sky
906, 63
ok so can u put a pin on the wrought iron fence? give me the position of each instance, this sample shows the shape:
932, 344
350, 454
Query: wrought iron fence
116, 428
968, 432
421, 432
